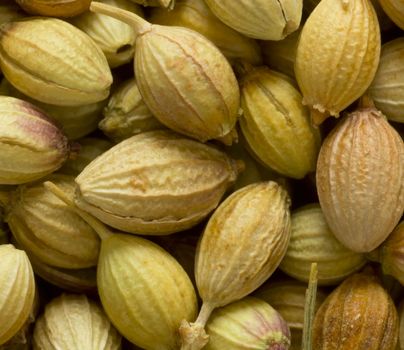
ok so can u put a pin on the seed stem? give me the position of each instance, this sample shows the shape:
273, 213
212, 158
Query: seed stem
102, 231
204, 314
366, 102
309, 308
193, 335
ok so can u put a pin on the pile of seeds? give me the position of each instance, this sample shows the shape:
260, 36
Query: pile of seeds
202, 174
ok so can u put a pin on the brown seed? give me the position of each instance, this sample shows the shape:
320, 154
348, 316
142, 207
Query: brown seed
358, 315
360, 179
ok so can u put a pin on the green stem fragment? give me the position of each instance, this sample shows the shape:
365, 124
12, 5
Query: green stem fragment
309, 308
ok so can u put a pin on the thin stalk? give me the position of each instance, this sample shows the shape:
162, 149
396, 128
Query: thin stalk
309, 309
366, 102
102, 231
139, 24
204, 314
193, 335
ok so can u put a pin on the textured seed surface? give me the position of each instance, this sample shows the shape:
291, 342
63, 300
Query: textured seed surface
115, 38
163, 3
387, 89
48, 229
31, 144
75, 121
55, 8
276, 125
334, 67
249, 323
186, 82
17, 290
148, 312
312, 240
52, 61
156, 182
126, 113
74, 322
360, 180
243, 243
400, 344
259, 19
359, 314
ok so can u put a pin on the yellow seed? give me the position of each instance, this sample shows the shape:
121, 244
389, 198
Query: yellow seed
334, 67
156, 182
73, 322
115, 38
55, 8
387, 89
275, 123
148, 312
183, 78
126, 113
48, 229
311, 240
259, 19
52, 61
242, 245
17, 290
